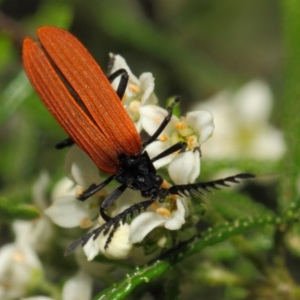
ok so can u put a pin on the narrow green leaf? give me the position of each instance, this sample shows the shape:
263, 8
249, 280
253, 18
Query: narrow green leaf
257, 167
291, 103
7, 52
10, 212
14, 95
233, 205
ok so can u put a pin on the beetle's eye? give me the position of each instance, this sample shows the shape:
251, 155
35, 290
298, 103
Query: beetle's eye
145, 194
159, 179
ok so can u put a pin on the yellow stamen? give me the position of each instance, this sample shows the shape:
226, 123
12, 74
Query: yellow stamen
85, 223
163, 212
158, 120
192, 142
134, 106
186, 131
134, 88
173, 198
101, 194
154, 205
180, 125
79, 190
165, 184
163, 138
18, 257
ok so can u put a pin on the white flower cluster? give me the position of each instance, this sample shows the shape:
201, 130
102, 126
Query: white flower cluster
21, 269
242, 124
243, 131
141, 104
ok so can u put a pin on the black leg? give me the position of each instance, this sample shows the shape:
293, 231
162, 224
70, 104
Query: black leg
105, 217
111, 226
179, 146
94, 189
123, 81
108, 201
65, 143
164, 123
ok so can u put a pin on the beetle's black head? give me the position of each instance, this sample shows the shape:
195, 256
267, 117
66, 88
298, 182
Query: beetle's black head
138, 173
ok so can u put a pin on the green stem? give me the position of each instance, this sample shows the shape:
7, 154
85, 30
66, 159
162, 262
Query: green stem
291, 104
143, 275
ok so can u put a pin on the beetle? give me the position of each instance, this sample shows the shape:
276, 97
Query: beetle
81, 99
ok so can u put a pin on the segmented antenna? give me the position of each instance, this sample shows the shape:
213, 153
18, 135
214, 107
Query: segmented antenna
186, 189
111, 226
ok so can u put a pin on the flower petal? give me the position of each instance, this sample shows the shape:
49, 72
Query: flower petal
64, 187
68, 212
147, 87
120, 63
39, 190
156, 148
91, 249
78, 287
119, 246
80, 168
267, 144
19, 267
185, 167
254, 102
151, 118
203, 122
143, 224
177, 220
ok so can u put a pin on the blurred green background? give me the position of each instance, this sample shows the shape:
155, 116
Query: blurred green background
193, 48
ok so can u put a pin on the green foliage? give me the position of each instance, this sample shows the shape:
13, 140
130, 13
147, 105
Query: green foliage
11, 212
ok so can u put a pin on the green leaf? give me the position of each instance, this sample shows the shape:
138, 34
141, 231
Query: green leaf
14, 95
233, 205
291, 103
255, 167
10, 212
7, 51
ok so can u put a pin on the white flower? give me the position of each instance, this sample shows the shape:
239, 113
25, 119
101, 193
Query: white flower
185, 167
242, 124
194, 129
41, 229
164, 216
20, 267
139, 91
66, 210
118, 248
78, 287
